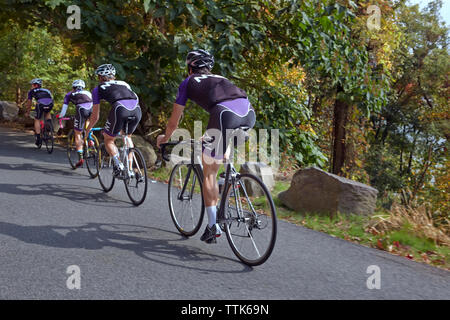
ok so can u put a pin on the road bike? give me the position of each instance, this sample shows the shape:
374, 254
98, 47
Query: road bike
46, 136
90, 148
246, 211
134, 175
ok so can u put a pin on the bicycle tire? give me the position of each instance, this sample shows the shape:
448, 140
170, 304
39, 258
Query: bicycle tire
175, 187
252, 225
138, 176
71, 149
91, 155
105, 176
48, 138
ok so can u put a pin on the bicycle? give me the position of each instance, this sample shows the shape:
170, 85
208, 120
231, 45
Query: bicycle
90, 148
246, 210
135, 172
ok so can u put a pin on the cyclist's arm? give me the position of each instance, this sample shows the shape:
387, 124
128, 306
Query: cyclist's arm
172, 124
94, 117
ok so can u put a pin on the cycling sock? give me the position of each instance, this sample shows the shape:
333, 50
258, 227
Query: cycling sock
80, 154
211, 211
117, 161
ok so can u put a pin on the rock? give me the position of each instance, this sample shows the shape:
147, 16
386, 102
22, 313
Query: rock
315, 191
8, 110
146, 149
262, 171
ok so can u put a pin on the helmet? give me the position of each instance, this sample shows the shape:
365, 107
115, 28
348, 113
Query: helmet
199, 59
106, 70
36, 81
78, 84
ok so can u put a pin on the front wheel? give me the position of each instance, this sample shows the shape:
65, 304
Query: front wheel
186, 203
136, 182
250, 220
105, 169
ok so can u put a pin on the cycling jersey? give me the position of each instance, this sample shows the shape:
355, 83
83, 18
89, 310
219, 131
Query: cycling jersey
112, 91
42, 96
82, 98
207, 90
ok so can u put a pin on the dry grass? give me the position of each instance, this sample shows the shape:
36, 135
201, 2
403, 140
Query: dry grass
419, 220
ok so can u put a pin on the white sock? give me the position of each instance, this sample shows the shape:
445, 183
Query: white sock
211, 211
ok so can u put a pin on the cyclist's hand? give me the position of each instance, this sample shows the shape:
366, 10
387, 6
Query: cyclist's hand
160, 140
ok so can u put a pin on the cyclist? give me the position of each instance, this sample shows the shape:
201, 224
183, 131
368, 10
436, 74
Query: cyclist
228, 108
124, 103
43, 106
82, 99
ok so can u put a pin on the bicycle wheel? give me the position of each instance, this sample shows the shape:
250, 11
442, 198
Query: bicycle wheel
72, 149
48, 138
251, 224
105, 169
136, 182
186, 203
91, 157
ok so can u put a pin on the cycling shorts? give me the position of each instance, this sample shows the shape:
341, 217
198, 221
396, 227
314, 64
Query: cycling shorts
42, 109
81, 115
118, 117
225, 117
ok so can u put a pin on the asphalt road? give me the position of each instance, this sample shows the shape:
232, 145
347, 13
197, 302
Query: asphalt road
52, 217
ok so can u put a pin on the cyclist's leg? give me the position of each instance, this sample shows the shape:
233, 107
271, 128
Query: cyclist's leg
37, 123
48, 116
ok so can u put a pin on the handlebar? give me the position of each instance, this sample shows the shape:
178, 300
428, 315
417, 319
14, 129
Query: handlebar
163, 146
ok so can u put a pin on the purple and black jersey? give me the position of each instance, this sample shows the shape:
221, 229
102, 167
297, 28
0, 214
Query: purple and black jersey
42, 96
82, 98
208, 90
114, 91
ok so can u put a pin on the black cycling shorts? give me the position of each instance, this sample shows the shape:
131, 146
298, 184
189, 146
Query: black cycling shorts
224, 120
42, 109
81, 115
118, 117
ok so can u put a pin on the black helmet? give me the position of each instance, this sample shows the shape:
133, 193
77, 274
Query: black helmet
198, 59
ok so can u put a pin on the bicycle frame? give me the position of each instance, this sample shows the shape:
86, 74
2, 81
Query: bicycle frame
126, 152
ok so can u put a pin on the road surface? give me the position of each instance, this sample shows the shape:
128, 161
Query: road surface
52, 218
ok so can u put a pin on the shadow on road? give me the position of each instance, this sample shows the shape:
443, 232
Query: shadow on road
52, 170
79, 194
146, 242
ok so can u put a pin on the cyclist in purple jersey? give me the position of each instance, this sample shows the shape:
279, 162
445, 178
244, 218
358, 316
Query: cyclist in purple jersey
82, 100
124, 104
228, 107
44, 104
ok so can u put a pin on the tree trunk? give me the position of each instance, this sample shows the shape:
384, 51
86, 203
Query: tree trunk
341, 109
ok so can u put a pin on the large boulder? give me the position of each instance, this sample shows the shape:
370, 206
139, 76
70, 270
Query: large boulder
8, 110
262, 171
315, 191
147, 150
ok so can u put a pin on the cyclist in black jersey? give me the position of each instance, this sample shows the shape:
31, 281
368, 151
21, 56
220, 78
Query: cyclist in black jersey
124, 104
82, 99
228, 107
44, 104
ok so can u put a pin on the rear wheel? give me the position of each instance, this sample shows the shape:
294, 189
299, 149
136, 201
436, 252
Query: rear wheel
72, 149
91, 157
136, 179
251, 224
105, 169
48, 138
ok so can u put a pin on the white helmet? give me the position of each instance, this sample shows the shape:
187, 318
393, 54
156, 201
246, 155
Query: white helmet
106, 70
78, 84
36, 81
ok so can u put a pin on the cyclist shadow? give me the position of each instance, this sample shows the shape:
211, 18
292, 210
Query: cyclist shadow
53, 170
78, 194
148, 243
